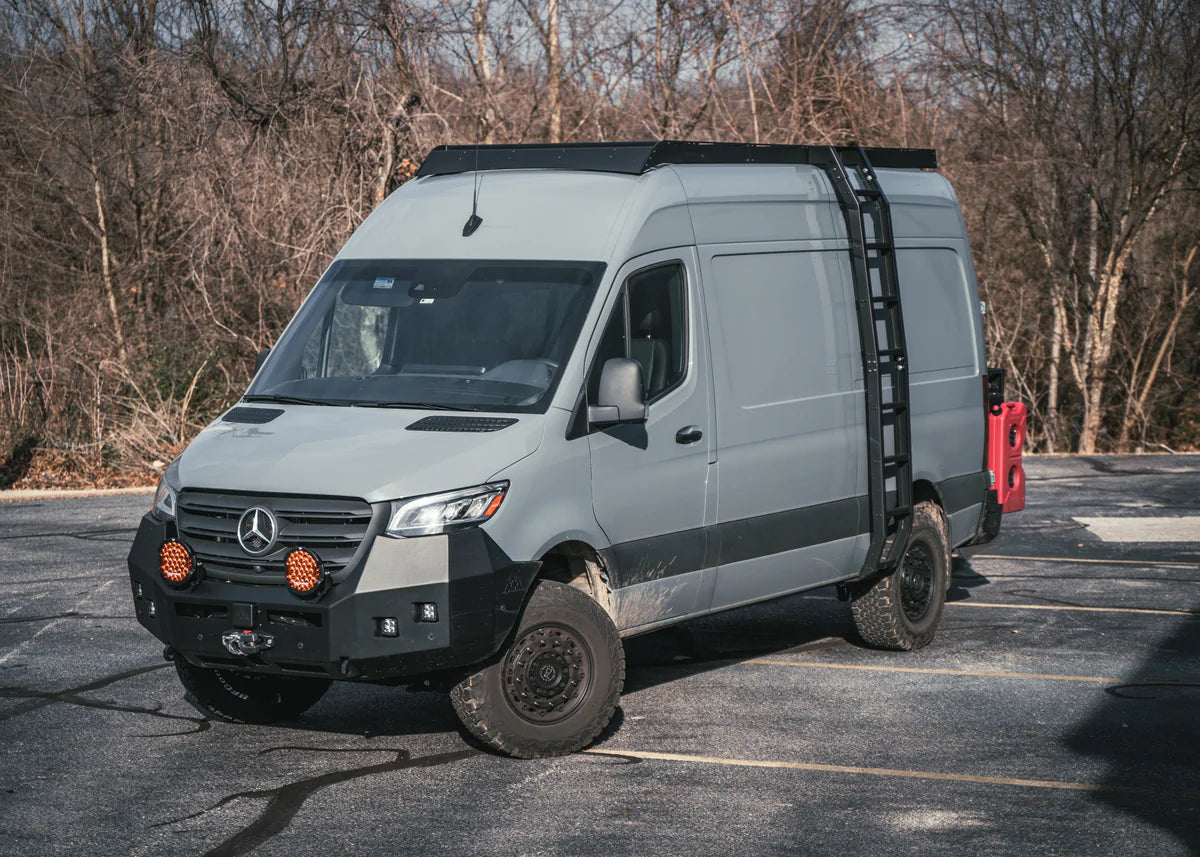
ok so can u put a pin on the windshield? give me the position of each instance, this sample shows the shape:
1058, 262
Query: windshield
441, 334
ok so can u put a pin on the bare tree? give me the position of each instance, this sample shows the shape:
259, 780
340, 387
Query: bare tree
1096, 103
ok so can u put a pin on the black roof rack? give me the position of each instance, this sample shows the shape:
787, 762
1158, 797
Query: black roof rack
637, 158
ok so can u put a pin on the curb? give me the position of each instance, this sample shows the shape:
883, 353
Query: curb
26, 494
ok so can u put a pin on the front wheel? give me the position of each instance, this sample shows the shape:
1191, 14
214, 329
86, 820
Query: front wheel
557, 685
249, 697
901, 610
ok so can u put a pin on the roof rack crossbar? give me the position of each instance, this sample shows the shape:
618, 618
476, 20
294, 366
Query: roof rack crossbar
639, 157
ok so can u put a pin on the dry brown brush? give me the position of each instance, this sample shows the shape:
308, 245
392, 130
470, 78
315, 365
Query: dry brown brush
175, 175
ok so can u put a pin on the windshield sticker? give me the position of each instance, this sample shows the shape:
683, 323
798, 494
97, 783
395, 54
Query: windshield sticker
384, 282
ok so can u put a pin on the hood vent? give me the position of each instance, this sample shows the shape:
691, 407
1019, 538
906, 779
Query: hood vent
461, 424
252, 416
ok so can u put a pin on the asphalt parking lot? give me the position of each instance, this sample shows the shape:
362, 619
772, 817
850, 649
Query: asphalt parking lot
1057, 712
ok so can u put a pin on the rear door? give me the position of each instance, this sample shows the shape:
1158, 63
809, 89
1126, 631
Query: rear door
650, 482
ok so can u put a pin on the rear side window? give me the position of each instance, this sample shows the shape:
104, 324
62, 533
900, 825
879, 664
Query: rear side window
938, 311
648, 325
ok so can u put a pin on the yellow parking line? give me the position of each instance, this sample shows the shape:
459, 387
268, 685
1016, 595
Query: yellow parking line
1150, 610
885, 772
780, 662
1068, 559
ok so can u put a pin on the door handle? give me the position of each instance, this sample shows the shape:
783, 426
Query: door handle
688, 434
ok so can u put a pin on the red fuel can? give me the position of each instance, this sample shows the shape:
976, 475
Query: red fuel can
1006, 438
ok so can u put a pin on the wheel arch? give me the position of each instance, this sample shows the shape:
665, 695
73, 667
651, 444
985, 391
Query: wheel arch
927, 489
578, 564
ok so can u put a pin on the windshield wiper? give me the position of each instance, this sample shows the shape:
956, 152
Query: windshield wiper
416, 406
289, 400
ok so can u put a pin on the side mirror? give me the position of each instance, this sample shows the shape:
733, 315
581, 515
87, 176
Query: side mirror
261, 359
620, 399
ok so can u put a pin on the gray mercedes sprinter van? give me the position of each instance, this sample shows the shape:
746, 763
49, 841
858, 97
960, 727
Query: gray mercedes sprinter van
547, 397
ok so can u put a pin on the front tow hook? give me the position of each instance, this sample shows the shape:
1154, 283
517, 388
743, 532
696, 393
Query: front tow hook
244, 643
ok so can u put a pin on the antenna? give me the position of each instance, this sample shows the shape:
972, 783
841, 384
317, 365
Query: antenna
474, 220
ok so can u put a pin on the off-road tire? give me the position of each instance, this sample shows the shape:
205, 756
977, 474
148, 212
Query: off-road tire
249, 697
879, 605
565, 632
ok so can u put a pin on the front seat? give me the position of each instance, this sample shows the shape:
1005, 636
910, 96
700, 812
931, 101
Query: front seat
649, 350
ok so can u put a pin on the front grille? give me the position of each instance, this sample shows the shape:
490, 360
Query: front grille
333, 528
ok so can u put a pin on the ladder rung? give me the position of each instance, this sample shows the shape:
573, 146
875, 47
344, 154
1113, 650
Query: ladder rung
878, 245
868, 192
885, 299
900, 511
894, 406
895, 459
891, 352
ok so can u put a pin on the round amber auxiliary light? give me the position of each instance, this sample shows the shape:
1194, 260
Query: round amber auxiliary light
304, 572
175, 562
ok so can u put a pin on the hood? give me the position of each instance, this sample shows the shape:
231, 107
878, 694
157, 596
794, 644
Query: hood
352, 452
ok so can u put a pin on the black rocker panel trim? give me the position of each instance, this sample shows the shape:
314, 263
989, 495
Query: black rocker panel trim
963, 492
678, 553
734, 541
658, 557
751, 538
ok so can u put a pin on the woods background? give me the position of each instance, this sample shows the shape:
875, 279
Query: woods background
175, 175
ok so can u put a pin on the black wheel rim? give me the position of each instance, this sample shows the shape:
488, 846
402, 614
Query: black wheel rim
547, 673
916, 581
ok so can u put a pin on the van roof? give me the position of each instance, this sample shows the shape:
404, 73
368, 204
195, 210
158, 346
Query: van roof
543, 202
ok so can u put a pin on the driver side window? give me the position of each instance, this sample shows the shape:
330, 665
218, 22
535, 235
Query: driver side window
648, 325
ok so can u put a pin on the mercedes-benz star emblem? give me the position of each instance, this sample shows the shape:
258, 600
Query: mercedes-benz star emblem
257, 530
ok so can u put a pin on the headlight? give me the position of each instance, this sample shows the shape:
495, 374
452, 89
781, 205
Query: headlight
167, 493
440, 513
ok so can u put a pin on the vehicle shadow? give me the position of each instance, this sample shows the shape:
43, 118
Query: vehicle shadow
807, 621
1147, 733
804, 622
810, 620
371, 711
963, 578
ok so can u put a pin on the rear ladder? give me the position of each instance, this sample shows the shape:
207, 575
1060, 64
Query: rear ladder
884, 353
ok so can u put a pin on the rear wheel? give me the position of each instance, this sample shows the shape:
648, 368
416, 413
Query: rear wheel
556, 687
250, 697
901, 610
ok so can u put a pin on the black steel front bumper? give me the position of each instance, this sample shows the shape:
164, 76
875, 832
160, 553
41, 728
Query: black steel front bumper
478, 590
